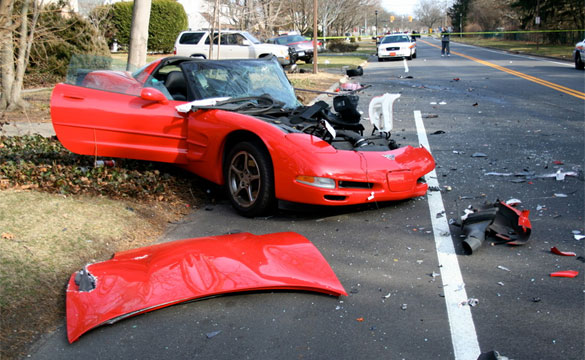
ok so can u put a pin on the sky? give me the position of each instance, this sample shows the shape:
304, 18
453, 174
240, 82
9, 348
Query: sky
400, 7
404, 7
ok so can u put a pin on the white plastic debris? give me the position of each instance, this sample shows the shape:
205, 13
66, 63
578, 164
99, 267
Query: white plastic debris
513, 202
503, 268
471, 302
579, 237
381, 113
185, 108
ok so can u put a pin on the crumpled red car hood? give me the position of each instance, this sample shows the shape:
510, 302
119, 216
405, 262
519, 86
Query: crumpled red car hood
152, 277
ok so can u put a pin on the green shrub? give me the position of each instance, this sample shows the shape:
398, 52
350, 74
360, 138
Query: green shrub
167, 20
340, 46
122, 22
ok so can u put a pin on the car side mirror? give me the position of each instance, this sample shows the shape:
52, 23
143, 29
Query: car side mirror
246, 42
152, 94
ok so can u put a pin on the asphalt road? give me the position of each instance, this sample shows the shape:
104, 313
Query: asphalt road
521, 114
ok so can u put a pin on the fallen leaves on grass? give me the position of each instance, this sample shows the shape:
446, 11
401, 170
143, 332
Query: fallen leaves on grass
35, 162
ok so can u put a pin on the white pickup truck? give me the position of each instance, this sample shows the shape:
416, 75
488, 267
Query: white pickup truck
233, 45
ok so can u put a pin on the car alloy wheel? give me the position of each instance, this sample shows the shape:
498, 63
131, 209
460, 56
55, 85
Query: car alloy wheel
250, 184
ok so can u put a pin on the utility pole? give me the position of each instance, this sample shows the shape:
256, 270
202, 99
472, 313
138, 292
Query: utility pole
376, 12
460, 25
138, 34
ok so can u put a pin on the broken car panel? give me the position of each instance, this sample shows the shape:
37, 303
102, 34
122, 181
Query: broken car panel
503, 221
258, 140
149, 278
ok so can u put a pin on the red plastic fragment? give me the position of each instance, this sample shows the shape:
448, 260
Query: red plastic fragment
558, 162
554, 250
565, 273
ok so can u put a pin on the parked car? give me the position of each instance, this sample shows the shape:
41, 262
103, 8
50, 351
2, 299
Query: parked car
579, 55
233, 45
237, 123
396, 46
303, 48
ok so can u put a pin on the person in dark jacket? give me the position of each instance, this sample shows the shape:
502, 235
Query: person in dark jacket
445, 43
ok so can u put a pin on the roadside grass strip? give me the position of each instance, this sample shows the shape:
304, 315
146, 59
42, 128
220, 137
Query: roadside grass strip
553, 86
463, 334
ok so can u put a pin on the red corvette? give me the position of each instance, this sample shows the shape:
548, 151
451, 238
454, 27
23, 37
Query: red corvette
238, 123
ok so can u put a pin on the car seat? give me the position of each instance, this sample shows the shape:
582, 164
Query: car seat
177, 86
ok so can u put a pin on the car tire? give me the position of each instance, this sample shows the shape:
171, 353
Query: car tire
579, 64
380, 59
414, 55
309, 60
249, 178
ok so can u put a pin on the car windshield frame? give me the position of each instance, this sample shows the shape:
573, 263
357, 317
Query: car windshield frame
239, 79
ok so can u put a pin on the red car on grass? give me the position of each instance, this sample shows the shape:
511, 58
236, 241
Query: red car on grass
236, 123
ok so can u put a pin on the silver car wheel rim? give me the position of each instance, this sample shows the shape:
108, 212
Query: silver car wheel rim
244, 179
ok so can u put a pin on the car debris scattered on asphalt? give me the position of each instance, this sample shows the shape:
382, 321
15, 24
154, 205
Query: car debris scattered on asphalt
501, 221
152, 277
492, 355
359, 71
565, 273
556, 251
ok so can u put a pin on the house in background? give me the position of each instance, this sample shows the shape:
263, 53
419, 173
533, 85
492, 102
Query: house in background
197, 10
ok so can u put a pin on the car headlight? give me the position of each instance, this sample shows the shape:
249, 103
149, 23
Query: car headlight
316, 181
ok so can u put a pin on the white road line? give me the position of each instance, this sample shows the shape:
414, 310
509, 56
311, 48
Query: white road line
463, 335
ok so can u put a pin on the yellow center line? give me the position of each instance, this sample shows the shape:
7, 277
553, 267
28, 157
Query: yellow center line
554, 86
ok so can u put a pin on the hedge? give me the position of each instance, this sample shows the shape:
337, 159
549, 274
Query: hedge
167, 20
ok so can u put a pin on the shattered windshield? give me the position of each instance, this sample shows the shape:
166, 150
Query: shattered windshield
238, 79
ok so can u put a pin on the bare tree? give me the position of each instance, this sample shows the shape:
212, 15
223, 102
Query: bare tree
300, 15
429, 12
16, 25
487, 14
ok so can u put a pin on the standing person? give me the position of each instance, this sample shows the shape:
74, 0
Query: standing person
445, 43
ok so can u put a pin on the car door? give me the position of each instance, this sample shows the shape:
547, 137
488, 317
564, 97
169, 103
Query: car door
241, 49
119, 121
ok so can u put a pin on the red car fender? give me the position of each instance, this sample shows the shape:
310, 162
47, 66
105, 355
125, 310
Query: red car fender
145, 279
208, 131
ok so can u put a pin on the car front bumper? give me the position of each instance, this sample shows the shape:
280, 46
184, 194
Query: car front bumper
360, 177
395, 53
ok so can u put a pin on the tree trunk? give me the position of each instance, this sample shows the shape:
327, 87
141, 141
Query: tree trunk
24, 43
6, 52
138, 34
